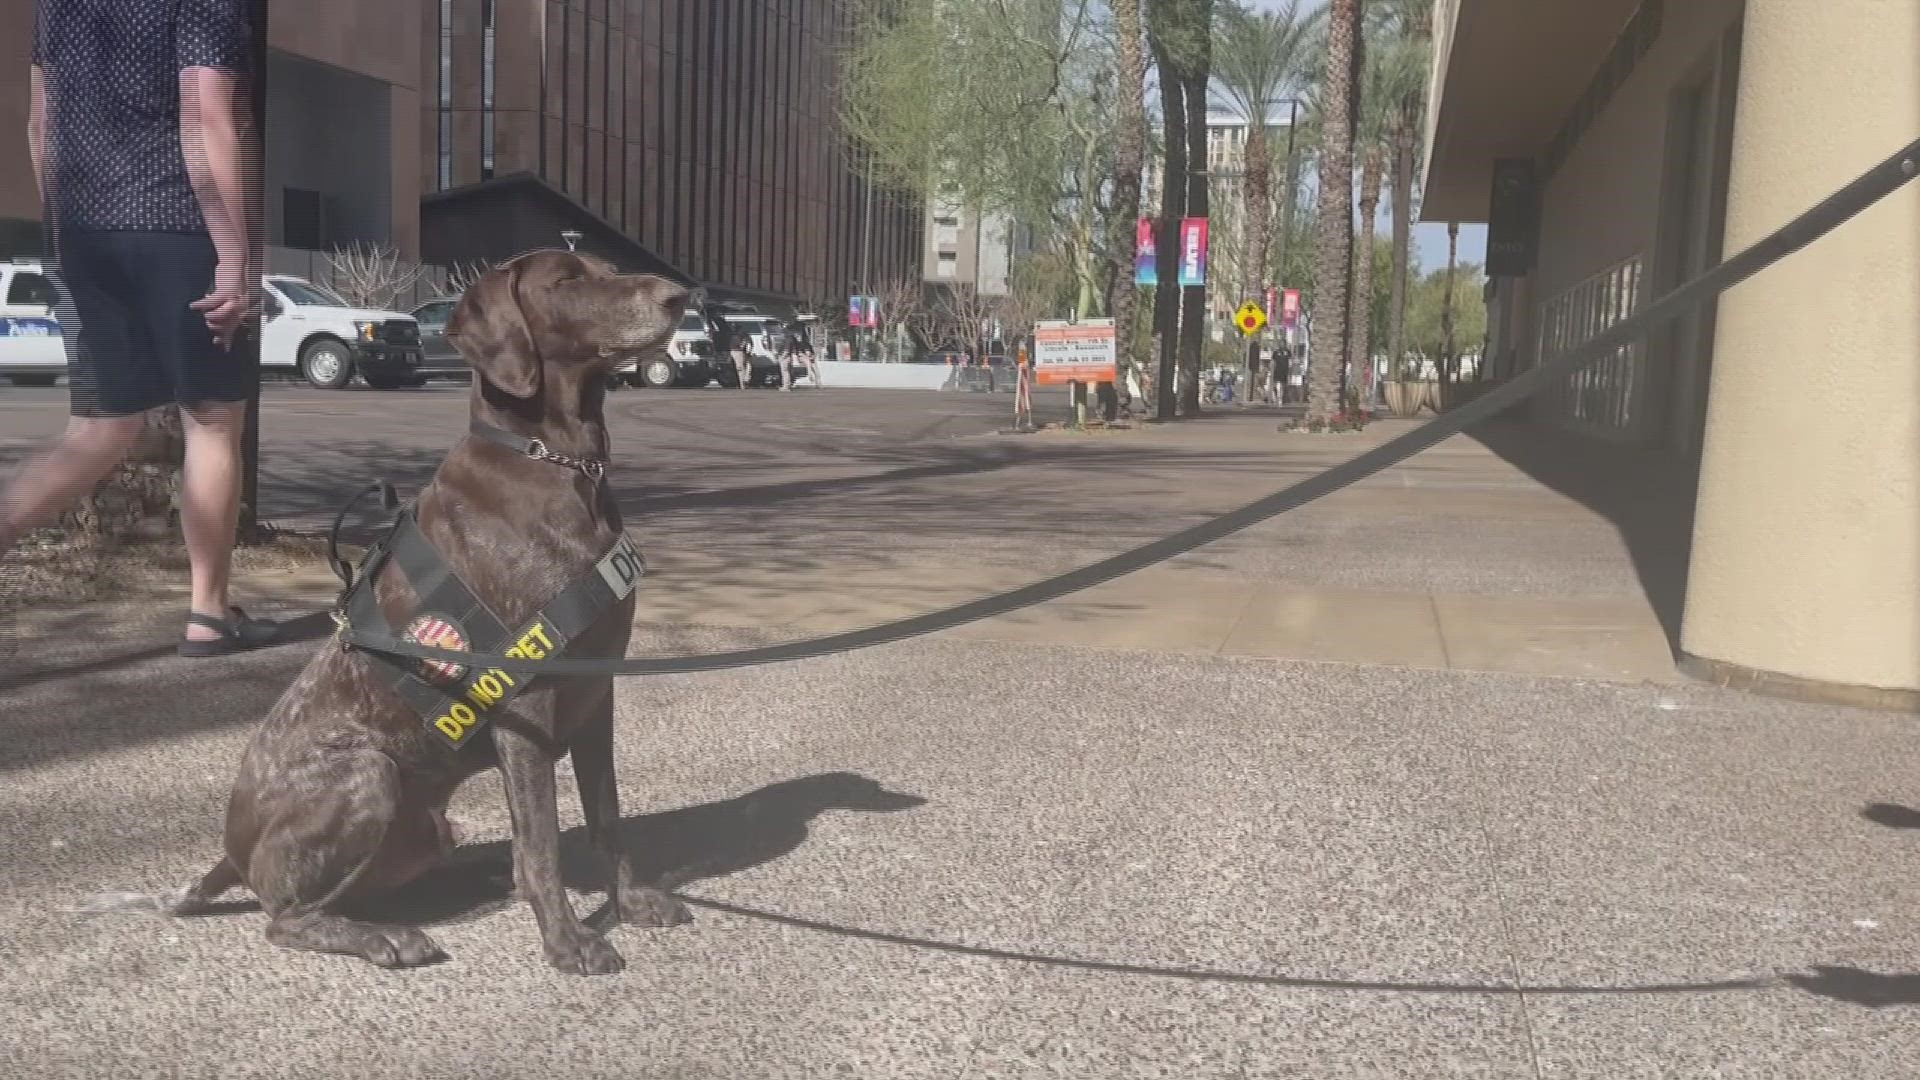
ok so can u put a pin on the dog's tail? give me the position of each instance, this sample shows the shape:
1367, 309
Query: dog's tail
199, 899
179, 903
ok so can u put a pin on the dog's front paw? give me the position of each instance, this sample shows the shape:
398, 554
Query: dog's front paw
399, 947
583, 952
642, 905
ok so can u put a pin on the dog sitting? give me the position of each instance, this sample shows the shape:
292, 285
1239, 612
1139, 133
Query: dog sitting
342, 791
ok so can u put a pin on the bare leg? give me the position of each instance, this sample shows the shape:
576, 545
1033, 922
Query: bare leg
786, 371
210, 505
50, 484
743, 368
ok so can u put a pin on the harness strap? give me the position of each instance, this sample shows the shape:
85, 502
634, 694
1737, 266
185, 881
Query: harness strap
452, 701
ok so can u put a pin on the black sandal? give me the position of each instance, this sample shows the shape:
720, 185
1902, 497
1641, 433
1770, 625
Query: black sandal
237, 634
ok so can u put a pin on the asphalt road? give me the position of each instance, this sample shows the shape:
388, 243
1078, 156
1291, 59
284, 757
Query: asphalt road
318, 446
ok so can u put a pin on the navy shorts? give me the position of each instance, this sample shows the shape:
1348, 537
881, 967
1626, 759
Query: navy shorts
133, 340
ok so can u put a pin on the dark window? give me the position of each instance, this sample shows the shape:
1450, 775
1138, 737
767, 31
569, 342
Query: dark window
486, 88
301, 221
444, 74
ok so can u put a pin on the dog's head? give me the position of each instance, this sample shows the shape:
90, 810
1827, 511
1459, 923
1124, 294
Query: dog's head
549, 314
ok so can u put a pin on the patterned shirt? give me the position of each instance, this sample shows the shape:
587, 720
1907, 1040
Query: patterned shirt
112, 75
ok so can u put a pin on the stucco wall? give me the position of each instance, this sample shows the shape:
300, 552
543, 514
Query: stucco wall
1603, 206
1806, 556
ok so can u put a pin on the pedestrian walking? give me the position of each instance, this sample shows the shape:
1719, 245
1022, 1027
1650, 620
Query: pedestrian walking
141, 138
728, 340
799, 350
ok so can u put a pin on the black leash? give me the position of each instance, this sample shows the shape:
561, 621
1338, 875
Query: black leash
1879, 182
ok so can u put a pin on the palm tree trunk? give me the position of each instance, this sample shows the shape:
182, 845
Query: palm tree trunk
1193, 314
1404, 139
1334, 258
1129, 159
1173, 202
1446, 303
1360, 316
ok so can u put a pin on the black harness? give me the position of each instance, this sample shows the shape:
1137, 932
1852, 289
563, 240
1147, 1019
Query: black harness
453, 701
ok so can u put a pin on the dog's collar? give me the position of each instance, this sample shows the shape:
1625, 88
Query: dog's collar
593, 468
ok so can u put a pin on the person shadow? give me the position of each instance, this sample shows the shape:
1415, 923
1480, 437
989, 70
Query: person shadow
670, 849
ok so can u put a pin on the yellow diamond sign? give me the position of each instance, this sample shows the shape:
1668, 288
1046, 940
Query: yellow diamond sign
1250, 318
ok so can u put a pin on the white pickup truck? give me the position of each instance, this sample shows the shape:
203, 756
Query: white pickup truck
306, 328
309, 329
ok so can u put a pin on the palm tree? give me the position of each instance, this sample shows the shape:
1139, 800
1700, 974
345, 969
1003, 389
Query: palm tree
1390, 71
1413, 21
1256, 57
1334, 256
1180, 34
1129, 159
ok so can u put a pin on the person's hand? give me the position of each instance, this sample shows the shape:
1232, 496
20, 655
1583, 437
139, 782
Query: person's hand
227, 305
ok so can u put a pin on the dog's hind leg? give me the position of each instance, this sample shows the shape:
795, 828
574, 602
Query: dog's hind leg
326, 841
635, 905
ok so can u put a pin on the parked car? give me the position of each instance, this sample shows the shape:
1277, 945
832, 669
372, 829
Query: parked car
687, 359
32, 353
438, 357
309, 329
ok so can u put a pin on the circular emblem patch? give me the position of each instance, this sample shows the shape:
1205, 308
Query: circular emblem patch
438, 632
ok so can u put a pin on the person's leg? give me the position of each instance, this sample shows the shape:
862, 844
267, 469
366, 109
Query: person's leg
211, 384
743, 367
786, 370
210, 506
109, 392
52, 482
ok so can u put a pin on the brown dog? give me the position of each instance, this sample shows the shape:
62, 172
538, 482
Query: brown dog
342, 792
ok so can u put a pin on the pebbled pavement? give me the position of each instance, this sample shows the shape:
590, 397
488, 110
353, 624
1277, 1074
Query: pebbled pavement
1127, 862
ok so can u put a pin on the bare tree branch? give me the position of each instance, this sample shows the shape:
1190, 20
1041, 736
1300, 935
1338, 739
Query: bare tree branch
371, 275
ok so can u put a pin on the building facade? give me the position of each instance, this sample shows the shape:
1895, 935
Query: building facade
695, 137
342, 84
691, 137
972, 251
1632, 144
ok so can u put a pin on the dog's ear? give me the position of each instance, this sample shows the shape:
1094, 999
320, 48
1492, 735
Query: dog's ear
491, 332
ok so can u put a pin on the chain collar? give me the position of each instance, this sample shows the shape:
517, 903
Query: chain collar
592, 468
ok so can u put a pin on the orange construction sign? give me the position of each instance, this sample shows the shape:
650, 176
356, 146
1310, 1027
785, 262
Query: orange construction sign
1066, 352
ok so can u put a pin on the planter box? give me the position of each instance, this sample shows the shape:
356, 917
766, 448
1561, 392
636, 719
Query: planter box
1407, 398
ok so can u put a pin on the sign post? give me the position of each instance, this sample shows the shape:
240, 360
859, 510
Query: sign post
1075, 352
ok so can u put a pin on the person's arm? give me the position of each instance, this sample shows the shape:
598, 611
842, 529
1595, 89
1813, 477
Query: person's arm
37, 105
212, 41
37, 131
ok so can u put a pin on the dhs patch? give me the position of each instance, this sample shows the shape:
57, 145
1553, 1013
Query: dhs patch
438, 632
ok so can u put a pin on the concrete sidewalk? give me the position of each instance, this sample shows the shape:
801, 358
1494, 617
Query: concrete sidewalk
1390, 787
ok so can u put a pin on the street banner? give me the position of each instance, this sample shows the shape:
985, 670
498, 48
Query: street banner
1065, 352
1273, 304
1193, 251
1146, 255
873, 313
1290, 309
856, 311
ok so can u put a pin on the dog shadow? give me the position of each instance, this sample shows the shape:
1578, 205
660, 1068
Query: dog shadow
670, 848
1857, 986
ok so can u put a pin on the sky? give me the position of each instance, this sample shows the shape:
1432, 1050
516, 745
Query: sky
1430, 240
